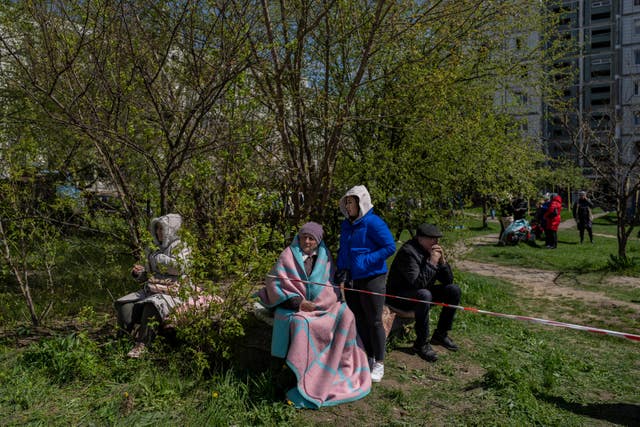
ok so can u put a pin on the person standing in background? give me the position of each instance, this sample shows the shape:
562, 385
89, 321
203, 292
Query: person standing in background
552, 221
506, 216
583, 215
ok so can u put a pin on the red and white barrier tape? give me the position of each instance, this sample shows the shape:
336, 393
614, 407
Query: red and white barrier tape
632, 337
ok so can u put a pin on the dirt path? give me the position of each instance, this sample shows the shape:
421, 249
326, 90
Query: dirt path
541, 283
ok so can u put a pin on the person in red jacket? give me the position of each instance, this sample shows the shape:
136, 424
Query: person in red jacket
552, 221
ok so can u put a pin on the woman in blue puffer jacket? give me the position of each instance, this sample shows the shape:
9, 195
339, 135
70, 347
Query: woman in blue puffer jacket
365, 244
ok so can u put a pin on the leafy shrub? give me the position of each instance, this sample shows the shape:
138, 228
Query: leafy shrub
65, 359
617, 263
233, 251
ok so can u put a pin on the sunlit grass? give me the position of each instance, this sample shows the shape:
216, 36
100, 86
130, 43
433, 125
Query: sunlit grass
507, 372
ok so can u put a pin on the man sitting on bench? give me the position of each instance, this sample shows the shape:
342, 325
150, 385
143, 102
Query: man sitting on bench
416, 268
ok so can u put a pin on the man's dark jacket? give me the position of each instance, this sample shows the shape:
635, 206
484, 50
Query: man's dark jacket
411, 270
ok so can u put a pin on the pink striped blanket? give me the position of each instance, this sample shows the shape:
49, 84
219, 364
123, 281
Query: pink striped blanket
321, 347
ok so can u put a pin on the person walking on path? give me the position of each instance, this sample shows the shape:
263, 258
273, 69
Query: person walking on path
583, 215
365, 244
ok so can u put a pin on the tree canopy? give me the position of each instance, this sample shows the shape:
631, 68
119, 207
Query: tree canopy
249, 117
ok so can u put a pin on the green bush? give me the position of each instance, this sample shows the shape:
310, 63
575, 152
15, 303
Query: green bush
65, 359
619, 264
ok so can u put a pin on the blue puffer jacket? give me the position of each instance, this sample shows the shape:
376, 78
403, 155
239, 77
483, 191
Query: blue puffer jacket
365, 243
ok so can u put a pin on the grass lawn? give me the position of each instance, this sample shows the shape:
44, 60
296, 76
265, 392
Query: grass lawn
571, 256
507, 372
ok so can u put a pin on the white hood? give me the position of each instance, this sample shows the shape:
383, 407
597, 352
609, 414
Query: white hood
364, 200
170, 224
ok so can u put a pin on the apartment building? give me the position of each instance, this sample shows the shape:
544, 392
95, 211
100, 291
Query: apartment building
606, 83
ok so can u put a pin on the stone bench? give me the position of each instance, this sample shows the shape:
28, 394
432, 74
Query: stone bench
262, 313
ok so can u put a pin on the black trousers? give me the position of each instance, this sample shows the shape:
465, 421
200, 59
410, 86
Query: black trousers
551, 238
581, 228
150, 320
367, 310
449, 294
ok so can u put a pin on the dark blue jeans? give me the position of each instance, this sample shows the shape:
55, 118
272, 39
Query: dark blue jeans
367, 310
449, 294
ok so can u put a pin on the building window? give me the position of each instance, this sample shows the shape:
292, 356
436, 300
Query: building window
600, 16
636, 88
636, 118
636, 54
603, 44
605, 100
600, 73
636, 2
521, 98
636, 26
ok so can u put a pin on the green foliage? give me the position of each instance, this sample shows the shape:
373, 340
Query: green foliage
538, 375
65, 359
178, 124
619, 263
562, 174
439, 134
158, 390
234, 250
507, 373
249, 402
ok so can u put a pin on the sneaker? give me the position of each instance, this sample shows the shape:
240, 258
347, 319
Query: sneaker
377, 372
444, 341
425, 352
137, 351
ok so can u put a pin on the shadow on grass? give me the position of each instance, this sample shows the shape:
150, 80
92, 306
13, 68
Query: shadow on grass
606, 220
625, 414
564, 242
479, 228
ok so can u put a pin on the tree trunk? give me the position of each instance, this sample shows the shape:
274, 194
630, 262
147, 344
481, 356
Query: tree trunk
485, 224
26, 292
21, 276
621, 234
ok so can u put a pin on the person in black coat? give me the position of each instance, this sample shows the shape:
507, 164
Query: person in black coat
583, 215
417, 267
520, 208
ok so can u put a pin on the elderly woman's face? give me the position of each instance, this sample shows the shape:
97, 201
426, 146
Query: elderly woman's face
308, 243
159, 233
351, 203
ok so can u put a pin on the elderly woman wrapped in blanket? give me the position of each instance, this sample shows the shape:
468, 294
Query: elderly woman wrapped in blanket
313, 330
